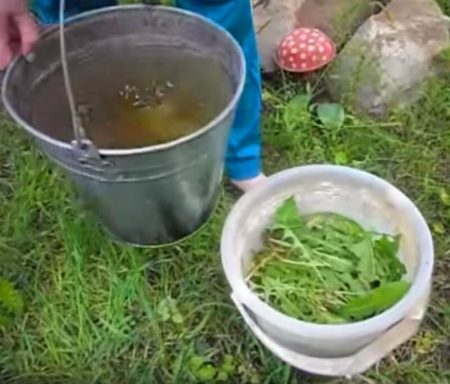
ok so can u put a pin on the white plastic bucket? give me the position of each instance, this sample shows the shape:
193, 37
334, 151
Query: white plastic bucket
330, 350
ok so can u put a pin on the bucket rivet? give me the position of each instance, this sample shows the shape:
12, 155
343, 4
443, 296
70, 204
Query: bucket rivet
30, 57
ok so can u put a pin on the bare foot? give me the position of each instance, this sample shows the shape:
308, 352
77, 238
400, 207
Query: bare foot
247, 185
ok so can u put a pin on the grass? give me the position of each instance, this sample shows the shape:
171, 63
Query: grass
98, 312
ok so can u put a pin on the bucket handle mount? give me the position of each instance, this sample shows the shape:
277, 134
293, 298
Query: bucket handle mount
84, 149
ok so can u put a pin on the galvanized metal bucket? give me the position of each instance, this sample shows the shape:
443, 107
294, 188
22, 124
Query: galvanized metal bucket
144, 196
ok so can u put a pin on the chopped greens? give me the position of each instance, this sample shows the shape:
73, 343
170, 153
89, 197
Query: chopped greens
326, 269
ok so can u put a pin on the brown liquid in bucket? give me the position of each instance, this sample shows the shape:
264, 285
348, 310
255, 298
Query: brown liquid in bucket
171, 96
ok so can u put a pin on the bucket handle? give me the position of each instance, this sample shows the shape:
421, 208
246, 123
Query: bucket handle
348, 366
82, 146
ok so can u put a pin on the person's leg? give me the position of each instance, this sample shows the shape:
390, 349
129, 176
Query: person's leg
47, 11
243, 161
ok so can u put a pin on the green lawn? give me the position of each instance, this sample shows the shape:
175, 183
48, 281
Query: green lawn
98, 312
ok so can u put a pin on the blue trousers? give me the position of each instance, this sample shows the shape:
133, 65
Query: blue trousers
244, 147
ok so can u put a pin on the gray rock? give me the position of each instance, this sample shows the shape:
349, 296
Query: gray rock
273, 20
337, 18
390, 57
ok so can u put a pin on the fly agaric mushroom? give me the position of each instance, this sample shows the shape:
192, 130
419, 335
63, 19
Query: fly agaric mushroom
305, 50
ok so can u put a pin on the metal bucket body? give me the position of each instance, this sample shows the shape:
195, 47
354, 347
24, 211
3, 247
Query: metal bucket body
144, 196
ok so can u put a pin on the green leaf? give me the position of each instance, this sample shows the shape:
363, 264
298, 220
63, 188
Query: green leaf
331, 279
296, 111
177, 318
168, 310
287, 216
337, 263
355, 285
222, 377
299, 103
227, 364
386, 249
374, 302
445, 197
311, 267
206, 373
341, 158
439, 228
164, 310
331, 115
343, 225
255, 378
366, 265
10, 298
196, 362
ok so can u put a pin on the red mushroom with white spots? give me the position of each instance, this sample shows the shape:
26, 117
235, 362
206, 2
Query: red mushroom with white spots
305, 50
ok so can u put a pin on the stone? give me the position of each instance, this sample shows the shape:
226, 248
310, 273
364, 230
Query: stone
391, 56
336, 18
273, 19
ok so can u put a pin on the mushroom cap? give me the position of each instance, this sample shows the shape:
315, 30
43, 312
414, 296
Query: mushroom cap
305, 50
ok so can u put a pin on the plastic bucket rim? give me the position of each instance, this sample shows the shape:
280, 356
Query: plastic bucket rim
326, 331
141, 150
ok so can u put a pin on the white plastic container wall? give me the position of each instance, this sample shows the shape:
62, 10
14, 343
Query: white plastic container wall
361, 196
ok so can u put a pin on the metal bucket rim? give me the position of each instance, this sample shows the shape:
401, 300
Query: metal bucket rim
131, 151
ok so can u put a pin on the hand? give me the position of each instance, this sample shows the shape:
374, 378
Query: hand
18, 30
